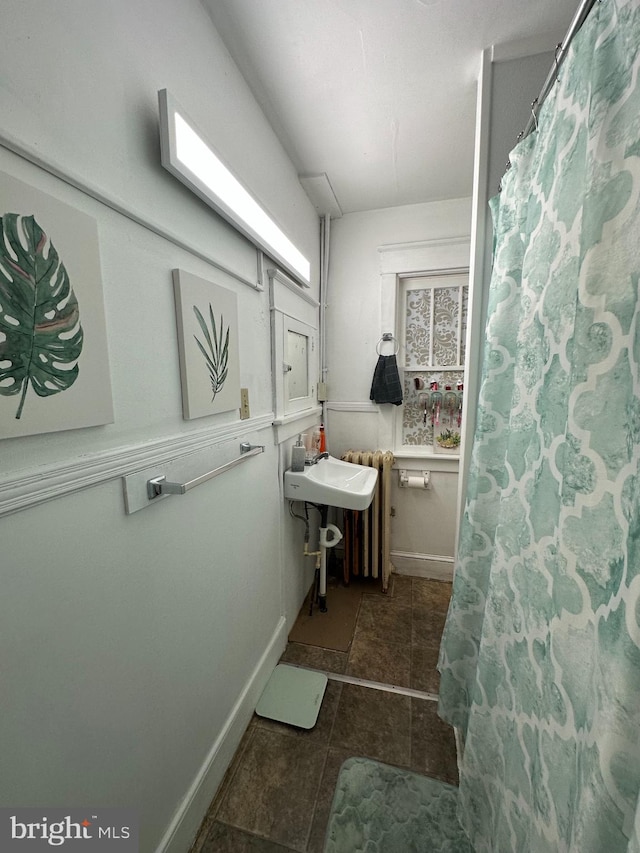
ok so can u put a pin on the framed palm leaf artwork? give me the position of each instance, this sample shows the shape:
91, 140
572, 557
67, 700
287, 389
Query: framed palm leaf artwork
54, 364
207, 318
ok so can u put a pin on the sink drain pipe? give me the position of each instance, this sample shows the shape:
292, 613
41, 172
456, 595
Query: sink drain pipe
330, 535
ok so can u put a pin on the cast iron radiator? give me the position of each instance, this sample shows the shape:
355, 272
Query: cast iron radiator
367, 533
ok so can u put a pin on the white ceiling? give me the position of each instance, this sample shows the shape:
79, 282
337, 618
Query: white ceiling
378, 94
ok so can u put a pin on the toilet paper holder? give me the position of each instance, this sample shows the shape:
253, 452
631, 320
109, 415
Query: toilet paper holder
414, 479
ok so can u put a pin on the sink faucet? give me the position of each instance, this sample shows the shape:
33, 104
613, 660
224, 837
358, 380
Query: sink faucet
317, 458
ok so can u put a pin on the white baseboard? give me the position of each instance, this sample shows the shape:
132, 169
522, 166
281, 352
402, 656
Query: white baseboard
430, 566
184, 826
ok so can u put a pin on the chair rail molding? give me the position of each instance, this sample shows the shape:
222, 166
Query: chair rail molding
30, 487
352, 406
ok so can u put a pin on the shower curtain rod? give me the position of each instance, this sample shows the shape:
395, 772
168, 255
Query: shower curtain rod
578, 20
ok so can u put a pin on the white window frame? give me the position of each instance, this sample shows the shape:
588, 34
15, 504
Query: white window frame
412, 260
433, 282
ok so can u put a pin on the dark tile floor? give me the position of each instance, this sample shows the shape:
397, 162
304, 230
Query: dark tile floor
277, 793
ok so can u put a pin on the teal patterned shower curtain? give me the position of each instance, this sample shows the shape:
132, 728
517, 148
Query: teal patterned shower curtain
540, 658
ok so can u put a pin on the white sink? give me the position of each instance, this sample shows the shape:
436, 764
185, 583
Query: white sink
332, 482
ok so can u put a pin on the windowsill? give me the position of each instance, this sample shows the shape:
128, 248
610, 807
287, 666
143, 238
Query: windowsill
425, 454
436, 461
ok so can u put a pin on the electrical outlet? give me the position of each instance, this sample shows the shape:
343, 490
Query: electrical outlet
244, 404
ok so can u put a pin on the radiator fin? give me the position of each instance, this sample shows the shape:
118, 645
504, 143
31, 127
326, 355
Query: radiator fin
367, 534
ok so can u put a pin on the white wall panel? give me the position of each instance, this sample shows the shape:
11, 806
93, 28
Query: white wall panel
359, 307
134, 646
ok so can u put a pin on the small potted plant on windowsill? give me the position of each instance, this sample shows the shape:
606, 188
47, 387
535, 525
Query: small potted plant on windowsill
447, 441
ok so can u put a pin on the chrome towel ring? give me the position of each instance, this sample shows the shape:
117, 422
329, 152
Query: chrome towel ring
387, 336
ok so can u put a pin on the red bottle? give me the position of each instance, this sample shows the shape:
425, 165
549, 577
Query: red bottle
322, 441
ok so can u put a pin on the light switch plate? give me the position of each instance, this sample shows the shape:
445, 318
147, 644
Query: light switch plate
244, 404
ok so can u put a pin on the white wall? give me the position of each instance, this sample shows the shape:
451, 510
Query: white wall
425, 521
134, 647
354, 300
515, 82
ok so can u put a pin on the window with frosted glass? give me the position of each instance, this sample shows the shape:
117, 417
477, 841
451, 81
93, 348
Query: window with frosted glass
435, 326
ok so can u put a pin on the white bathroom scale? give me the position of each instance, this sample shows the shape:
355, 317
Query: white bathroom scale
293, 696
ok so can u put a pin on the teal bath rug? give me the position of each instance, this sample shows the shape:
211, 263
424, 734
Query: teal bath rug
381, 809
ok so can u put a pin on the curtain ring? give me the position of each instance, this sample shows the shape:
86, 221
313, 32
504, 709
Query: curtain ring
555, 58
507, 166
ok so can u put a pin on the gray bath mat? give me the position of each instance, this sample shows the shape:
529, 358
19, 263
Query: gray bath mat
381, 809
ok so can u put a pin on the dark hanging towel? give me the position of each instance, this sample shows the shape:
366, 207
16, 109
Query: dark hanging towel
386, 387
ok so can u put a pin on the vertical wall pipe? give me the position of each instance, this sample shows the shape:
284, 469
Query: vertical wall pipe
325, 232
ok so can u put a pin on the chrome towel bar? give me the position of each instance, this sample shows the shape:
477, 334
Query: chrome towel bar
159, 485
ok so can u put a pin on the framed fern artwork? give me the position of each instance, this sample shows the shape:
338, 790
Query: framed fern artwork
54, 364
207, 317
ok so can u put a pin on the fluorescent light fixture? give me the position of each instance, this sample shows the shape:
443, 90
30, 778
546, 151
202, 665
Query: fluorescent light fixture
187, 155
